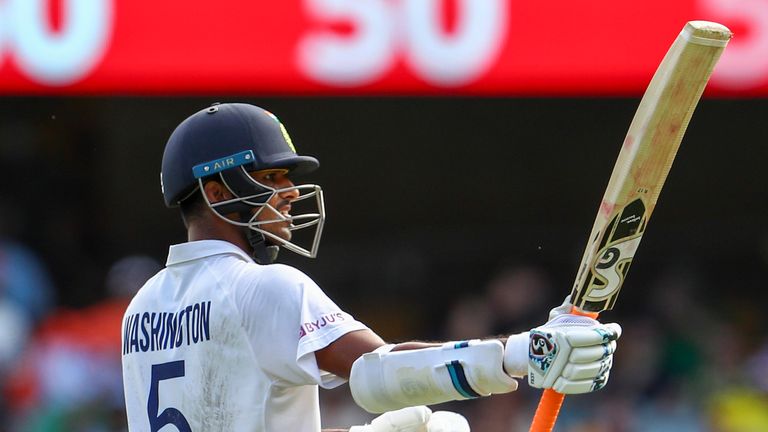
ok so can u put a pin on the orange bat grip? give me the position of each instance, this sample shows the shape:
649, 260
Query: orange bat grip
551, 401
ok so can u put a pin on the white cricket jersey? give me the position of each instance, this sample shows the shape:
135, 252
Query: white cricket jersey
216, 342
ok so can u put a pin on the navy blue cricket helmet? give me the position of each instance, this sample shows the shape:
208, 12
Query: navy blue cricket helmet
227, 142
221, 131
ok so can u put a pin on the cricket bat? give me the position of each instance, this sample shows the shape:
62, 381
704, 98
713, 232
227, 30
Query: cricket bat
638, 176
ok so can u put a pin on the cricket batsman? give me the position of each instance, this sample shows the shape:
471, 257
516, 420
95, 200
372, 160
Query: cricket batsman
224, 339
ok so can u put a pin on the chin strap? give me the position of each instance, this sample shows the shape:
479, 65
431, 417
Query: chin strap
263, 253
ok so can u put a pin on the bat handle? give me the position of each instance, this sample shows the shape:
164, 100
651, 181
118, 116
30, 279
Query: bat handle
549, 405
547, 411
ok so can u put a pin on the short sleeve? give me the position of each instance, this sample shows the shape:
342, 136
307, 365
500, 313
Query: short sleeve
287, 317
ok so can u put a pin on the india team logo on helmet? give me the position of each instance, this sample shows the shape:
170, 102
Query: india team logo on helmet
284, 131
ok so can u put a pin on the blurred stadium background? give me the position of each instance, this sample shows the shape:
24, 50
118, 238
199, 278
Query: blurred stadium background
465, 146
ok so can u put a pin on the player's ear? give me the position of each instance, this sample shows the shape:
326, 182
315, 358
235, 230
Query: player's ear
216, 192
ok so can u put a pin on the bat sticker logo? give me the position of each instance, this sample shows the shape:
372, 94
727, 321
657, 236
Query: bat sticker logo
618, 244
609, 258
631, 219
611, 268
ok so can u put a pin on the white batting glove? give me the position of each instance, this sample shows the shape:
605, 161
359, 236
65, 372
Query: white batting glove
447, 421
563, 309
570, 354
416, 419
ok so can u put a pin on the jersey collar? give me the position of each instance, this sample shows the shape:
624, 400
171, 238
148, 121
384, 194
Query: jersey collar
190, 251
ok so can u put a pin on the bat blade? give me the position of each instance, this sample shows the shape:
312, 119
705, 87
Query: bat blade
638, 176
644, 161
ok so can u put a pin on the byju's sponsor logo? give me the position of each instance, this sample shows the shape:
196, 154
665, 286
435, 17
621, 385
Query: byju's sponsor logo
323, 321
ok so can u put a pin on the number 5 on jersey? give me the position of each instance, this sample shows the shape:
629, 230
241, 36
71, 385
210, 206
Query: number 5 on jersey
169, 416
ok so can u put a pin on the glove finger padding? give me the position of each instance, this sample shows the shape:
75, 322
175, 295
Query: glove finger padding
411, 419
403, 420
571, 354
566, 386
447, 421
596, 334
416, 419
592, 353
576, 372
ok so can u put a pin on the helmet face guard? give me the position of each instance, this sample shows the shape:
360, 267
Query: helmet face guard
252, 205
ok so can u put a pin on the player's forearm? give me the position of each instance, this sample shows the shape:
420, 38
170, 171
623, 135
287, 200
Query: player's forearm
405, 346
414, 345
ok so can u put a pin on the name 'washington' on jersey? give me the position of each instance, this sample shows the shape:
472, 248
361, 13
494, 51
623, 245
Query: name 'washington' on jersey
216, 342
